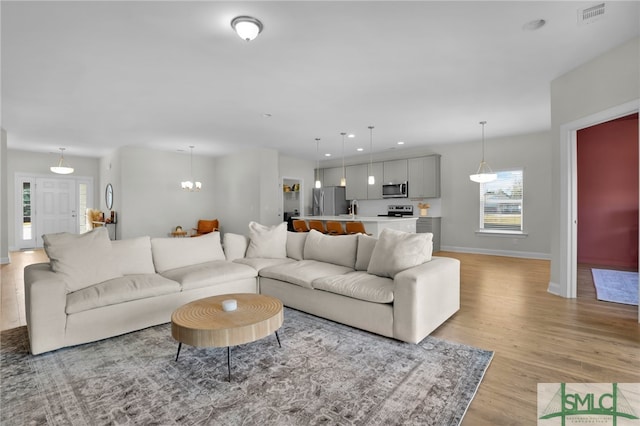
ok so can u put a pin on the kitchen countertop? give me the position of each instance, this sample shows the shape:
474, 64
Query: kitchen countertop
356, 218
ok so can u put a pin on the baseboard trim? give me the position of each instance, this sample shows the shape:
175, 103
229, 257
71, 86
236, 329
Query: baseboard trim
555, 289
5, 260
506, 253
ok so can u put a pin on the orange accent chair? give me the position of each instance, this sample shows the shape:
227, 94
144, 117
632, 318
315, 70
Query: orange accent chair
317, 225
205, 227
300, 225
335, 228
355, 228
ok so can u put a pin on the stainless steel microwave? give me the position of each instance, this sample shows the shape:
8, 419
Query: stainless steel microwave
395, 190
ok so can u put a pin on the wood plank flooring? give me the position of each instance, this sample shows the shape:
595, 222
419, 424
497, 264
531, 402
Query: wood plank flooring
505, 307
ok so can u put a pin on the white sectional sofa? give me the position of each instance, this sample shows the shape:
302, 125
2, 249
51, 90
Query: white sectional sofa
94, 288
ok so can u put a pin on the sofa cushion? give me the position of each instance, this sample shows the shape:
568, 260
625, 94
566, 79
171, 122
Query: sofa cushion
359, 285
133, 255
234, 245
209, 273
396, 251
259, 263
303, 272
172, 253
336, 249
366, 245
119, 290
267, 241
83, 259
295, 245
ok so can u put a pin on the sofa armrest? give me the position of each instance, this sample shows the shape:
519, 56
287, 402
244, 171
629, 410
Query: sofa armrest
45, 303
425, 296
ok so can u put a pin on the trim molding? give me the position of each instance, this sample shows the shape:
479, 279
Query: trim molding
506, 253
5, 260
555, 289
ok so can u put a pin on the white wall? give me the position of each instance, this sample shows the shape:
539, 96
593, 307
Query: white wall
611, 80
4, 205
247, 189
36, 163
148, 196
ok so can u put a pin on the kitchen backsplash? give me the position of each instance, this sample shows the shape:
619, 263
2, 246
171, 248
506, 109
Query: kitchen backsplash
376, 207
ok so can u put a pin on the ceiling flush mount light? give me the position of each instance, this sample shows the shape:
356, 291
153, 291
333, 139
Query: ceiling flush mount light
190, 185
61, 168
484, 173
318, 183
246, 27
372, 178
343, 180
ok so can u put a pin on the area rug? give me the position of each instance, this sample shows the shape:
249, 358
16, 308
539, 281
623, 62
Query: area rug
325, 373
616, 286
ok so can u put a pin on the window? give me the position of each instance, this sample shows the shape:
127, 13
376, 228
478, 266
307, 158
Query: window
26, 211
501, 203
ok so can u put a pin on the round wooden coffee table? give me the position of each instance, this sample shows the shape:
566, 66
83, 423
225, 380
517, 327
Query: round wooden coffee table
203, 322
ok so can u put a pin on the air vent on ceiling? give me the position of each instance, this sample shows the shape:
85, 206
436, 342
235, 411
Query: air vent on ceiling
590, 14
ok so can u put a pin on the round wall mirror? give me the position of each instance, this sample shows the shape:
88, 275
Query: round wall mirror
108, 196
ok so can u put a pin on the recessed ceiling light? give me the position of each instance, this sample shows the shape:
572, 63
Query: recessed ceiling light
266, 115
327, 155
536, 24
400, 143
351, 135
359, 149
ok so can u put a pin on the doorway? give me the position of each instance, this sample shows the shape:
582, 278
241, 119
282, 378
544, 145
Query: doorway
567, 256
292, 199
46, 205
607, 201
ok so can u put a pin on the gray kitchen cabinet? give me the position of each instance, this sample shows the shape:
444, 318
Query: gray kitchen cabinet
395, 171
357, 182
433, 225
331, 176
424, 177
374, 192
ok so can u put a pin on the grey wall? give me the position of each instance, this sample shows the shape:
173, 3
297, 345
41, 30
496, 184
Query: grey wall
459, 205
606, 82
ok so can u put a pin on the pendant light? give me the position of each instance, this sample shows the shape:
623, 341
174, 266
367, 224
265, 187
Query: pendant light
372, 178
190, 185
484, 173
61, 168
343, 181
318, 183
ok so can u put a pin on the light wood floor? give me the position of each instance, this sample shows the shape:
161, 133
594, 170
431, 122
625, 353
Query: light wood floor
505, 307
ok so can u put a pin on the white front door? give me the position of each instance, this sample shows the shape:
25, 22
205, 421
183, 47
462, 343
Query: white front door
55, 207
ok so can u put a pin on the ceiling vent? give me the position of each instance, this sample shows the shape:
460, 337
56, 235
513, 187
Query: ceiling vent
590, 14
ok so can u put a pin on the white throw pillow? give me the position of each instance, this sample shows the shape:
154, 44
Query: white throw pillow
85, 259
336, 249
267, 241
366, 244
396, 251
172, 253
234, 245
133, 255
295, 245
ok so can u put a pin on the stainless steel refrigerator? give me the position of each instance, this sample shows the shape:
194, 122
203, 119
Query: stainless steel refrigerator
329, 201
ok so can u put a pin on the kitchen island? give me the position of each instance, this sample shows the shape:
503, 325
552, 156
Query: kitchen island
373, 225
